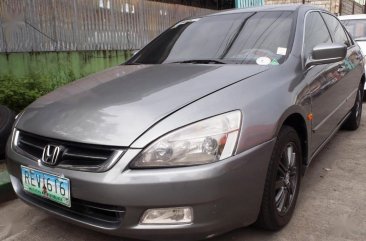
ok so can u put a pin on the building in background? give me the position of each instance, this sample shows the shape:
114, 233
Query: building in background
338, 7
209, 4
248, 3
216, 4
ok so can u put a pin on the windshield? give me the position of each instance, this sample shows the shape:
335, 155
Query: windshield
261, 38
356, 27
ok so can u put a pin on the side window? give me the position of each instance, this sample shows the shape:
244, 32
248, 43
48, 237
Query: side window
316, 32
350, 41
336, 28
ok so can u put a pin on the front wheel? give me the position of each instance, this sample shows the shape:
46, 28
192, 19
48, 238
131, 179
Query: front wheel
354, 120
282, 181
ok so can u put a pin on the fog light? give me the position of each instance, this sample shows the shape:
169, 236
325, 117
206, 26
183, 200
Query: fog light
181, 215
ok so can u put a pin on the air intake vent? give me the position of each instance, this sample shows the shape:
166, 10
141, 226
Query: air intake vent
94, 213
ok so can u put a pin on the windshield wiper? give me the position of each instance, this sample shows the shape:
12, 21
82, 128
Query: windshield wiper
236, 35
199, 61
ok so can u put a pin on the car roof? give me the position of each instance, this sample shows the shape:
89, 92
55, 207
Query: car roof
349, 17
279, 7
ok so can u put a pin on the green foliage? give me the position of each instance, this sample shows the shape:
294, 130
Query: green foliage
26, 76
17, 93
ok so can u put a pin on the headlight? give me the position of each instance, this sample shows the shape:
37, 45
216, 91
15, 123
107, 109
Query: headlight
203, 142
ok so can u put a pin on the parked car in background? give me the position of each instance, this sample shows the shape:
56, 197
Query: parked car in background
356, 26
208, 128
6, 123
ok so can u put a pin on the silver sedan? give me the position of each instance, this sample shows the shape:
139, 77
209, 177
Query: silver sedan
208, 128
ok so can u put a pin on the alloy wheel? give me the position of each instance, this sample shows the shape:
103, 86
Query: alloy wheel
286, 180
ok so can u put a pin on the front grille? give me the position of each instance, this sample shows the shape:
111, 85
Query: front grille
31, 145
75, 156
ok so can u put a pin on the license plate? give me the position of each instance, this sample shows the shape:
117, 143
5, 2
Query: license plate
54, 188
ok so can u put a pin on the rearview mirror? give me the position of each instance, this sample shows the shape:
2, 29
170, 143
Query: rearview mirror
326, 54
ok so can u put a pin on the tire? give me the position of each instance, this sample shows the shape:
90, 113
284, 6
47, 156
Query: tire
6, 122
354, 120
277, 207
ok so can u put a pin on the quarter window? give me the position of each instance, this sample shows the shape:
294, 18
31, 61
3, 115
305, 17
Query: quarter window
336, 28
316, 32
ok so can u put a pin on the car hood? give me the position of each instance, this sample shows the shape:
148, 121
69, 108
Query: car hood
116, 106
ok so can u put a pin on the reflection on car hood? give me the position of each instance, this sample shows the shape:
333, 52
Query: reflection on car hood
116, 106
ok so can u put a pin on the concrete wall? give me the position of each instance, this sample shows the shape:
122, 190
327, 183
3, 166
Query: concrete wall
351, 7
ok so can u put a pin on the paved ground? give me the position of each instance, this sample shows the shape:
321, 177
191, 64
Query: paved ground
331, 205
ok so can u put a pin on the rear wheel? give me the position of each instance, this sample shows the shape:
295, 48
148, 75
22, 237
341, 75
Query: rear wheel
282, 181
354, 120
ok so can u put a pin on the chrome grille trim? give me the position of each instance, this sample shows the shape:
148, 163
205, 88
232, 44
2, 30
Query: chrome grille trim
75, 156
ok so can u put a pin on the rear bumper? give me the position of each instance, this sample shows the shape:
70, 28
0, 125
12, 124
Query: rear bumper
224, 195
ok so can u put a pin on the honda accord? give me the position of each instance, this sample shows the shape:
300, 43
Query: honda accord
208, 128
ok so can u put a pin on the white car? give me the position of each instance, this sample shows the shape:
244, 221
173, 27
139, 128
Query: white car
356, 26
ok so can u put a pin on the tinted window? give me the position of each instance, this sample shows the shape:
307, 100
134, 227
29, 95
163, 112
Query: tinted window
357, 28
336, 28
240, 38
316, 32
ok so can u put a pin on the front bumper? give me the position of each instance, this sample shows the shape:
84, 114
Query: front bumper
224, 195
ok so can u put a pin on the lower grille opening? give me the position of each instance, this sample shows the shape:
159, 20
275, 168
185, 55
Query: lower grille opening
93, 213
101, 212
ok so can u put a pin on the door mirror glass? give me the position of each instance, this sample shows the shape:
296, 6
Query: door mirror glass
326, 53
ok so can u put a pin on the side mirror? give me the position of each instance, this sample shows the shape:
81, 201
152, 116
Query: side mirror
326, 54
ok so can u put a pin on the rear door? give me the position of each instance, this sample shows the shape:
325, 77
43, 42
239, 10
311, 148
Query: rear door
350, 79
